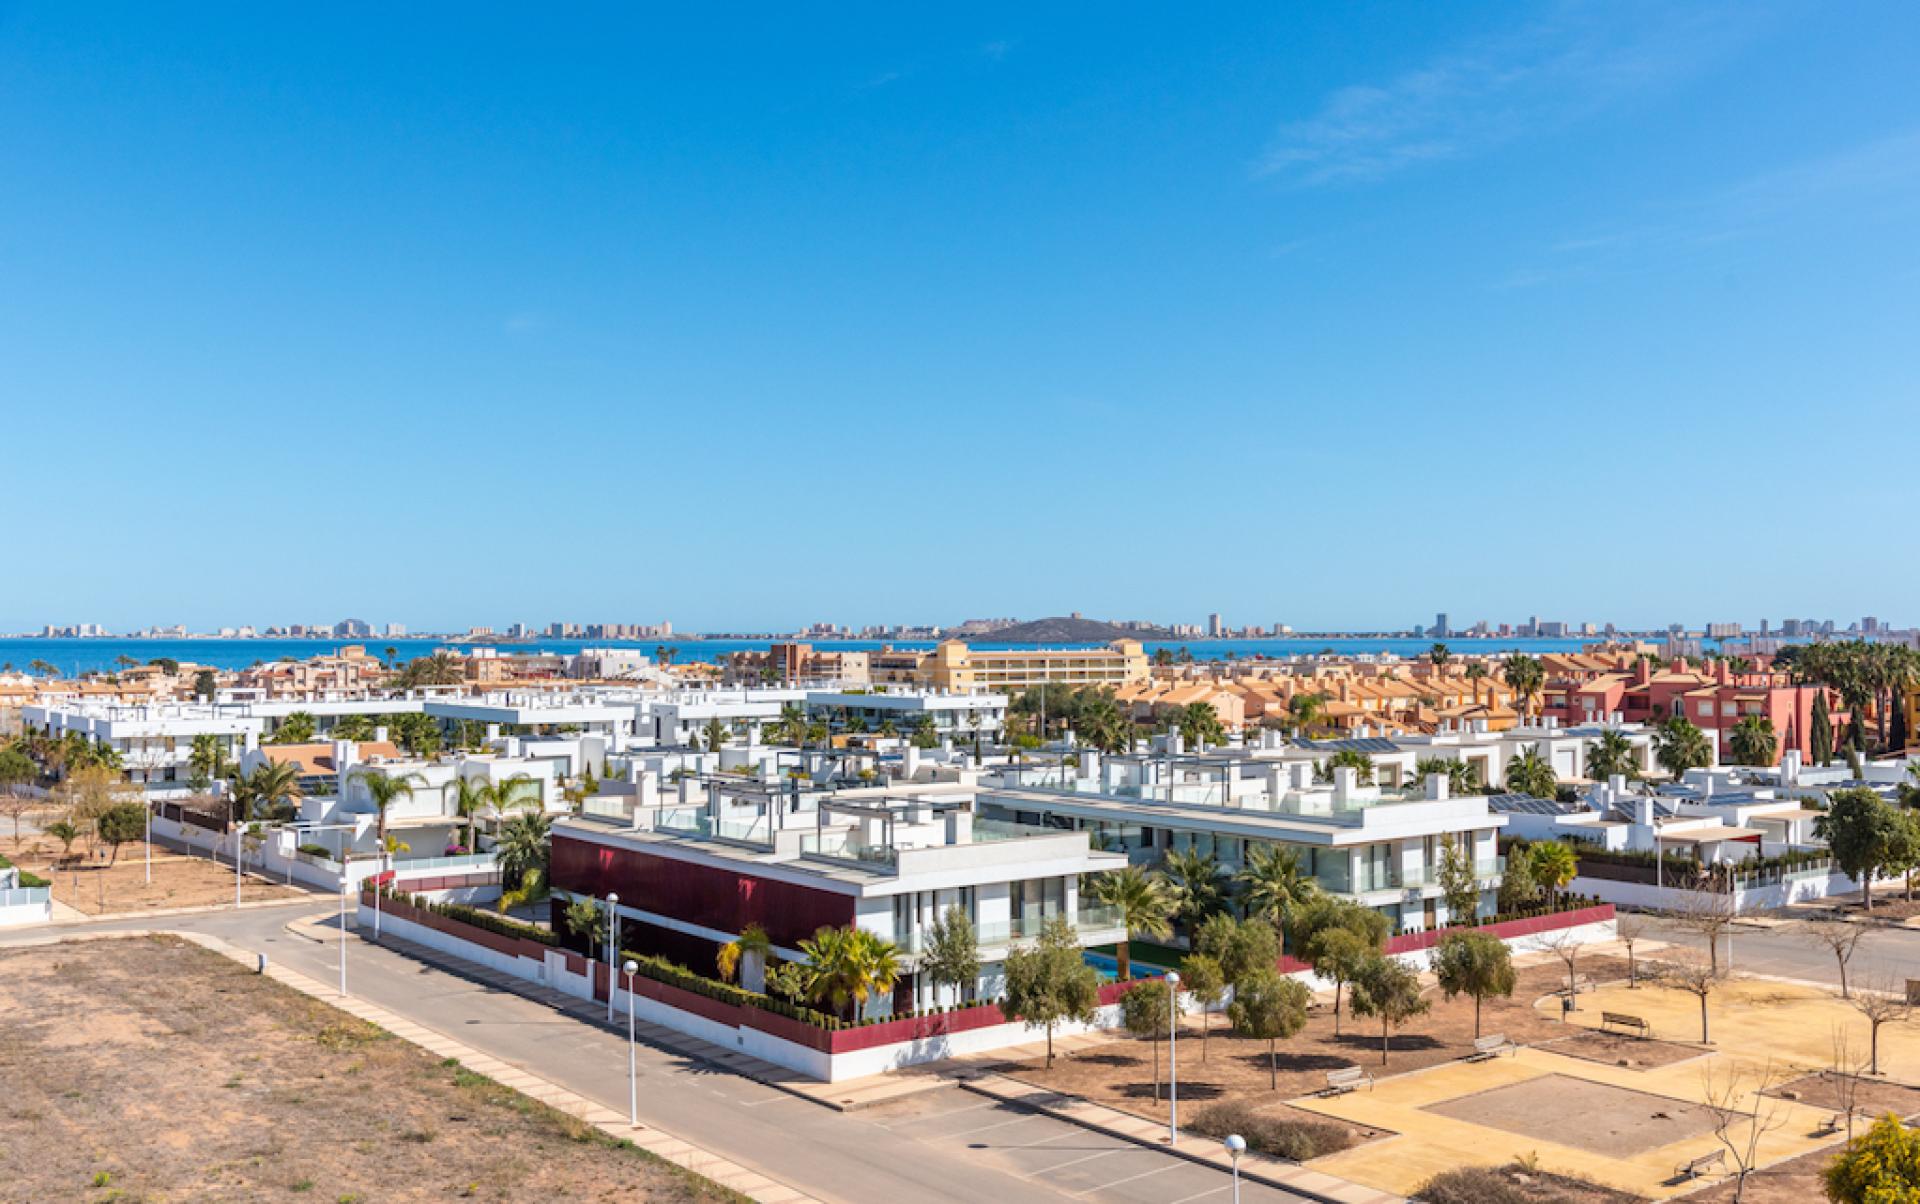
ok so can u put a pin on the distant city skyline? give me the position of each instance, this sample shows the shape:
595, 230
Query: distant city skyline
456, 316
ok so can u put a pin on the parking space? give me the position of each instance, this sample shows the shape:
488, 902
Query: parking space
1052, 1154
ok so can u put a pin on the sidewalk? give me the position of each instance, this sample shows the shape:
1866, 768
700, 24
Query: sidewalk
657, 1142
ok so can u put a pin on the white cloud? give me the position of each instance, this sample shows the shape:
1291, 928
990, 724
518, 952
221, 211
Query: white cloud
1472, 98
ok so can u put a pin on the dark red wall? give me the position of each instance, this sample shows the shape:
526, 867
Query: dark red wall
697, 894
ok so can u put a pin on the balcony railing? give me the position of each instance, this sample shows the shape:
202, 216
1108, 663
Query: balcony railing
1021, 928
24, 896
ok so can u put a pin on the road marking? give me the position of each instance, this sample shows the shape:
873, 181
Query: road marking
1018, 1120
1158, 1170
1083, 1158
914, 1120
1211, 1191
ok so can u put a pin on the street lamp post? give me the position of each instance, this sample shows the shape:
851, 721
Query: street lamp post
613, 938
344, 882
1173, 1063
633, 1073
149, 811
237, 839
1236, 1146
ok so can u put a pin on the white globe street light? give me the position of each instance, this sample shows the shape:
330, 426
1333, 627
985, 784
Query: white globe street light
633, 1074
1236, 1146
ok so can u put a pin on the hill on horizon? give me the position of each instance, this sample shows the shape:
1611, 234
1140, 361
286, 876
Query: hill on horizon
1063, 629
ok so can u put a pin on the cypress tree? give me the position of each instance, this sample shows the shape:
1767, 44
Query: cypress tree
1857, 729
1897, 731
1821, 736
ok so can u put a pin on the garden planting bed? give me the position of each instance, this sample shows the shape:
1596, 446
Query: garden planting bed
151, 1069
1614, 1049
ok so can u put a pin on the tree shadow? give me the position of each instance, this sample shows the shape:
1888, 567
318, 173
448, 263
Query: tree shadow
1189, 1089
1108, 1059
1296, 1062
1400, 1042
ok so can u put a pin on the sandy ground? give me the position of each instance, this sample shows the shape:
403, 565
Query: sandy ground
94, 886
1120, 1073
152, 1070
1600, 1117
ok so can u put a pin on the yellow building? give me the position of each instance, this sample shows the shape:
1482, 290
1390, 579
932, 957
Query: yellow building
955, 666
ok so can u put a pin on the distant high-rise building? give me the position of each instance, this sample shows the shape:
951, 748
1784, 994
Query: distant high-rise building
1763, 629
1440, 628
396, 631
1216, 627
1869, 625
1723, 631
353, 629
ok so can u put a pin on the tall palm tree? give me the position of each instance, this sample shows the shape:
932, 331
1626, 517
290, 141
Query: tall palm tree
521, 850
43, 668
468, 803
850, 966
752, 943
1752, 741
716, 734
1145, 905
1439, 655
385, 790
1461, 776
1274, 885
1530, 773
1305, 710
269, 792
1610, 754
1200, 724
508, 794
1197, 882
1526, 678
1680, 746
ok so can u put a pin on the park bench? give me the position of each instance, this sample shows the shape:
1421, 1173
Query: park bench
1489, 1046
1693, 1168
1837, 1121
1348, 1078
1623, 1022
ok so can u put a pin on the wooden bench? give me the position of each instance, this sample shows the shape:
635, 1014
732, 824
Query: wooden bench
1693, 1168
1837, 1121
1489, 1046
1346, 1079
1624, 1022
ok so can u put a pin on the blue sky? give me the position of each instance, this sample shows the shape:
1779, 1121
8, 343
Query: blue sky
1335, 315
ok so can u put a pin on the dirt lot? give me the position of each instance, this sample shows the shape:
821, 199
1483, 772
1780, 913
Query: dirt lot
95, 887
1639, 1053
1120, 1072
1798, 1179
150, 1070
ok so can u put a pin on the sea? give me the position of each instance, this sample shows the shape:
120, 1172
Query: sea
75, 656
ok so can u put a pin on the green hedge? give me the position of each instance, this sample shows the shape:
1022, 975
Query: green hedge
26, 878
674, 974
492, 922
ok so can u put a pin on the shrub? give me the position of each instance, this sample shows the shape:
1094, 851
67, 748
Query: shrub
1473, 1185
317, 850
1280, 1136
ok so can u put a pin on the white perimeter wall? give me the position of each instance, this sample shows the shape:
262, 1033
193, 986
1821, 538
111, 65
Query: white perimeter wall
1761, 898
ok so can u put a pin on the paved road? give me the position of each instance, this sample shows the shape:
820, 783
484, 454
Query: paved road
1884, 954
944, 1145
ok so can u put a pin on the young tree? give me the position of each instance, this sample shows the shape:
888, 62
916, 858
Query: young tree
1205, 980
1709, 911
1050, 983
1820, 734
1629, 929
1270, 1007
1240, 946
747, 955
1459, 887
1838, 938
1883, 1167
1146, 1010
1861, 830
1474, 964
64, 831
1566, 947
1517, 889
1740, 1129
1336, 939
205, 685
1384, 987
952, 958
121, 824
1880, 1003
1694, 976
1145, 904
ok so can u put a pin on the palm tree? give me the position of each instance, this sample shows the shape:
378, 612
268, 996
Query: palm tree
385, 790
1610, 754
1525, 677
1197, 883
1552, 865
1273, 884
43, 668
509, 793
1752, 741
1461, 776
1304, 710
1348, 758
521, 850
468, 802
1200, 724
849, 967
1680, 746
752, 943
269, 792
1439, 655
1530, 773
1145, 905
208, 760
716, 734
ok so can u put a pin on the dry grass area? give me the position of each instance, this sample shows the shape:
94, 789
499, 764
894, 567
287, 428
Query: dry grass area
1516, 1184
1799, 1179
1119, 1073
153, 1070
89, 883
